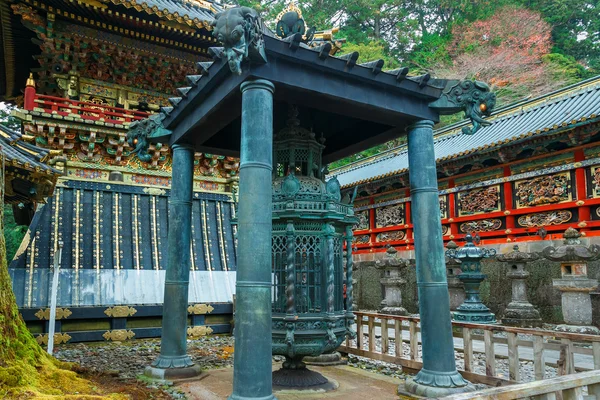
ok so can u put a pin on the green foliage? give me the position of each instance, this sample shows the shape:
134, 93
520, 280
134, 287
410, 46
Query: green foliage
374, 50
433, 50
566, 68
13, 233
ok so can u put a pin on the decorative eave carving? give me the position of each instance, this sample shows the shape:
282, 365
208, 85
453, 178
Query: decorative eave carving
142, 132
473, 97
572, 249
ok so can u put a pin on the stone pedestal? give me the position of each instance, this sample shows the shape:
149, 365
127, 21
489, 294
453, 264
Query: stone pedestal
392, 281
576, 304
519, 311
574, 285
456, 289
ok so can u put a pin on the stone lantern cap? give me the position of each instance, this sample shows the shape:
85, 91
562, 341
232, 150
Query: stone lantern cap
469, 252
572, 250
452, 262
392, 260
517, 257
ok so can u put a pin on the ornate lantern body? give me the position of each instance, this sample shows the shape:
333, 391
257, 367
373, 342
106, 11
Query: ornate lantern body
470, 256
311, 223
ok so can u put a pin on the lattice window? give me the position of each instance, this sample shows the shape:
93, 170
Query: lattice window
338, 280
308, 274
279, 261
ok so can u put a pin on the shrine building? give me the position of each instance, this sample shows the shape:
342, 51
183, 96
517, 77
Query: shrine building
531, 174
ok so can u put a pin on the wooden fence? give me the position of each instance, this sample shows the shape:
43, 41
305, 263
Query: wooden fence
569, 387
539, 341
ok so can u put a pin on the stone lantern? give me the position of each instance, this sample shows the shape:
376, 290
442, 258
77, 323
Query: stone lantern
311, 224
392, 281
456, 289
470, 256
574, 284
519, 312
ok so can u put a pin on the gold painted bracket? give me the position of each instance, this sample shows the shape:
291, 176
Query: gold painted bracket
120, 311
59, 338
199, 309
61, 313
198, 331
118, 335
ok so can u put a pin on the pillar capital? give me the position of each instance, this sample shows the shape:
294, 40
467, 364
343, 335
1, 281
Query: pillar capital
258, 84
182, 146
421, 124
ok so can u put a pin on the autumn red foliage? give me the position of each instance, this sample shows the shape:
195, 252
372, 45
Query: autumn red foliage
506, 49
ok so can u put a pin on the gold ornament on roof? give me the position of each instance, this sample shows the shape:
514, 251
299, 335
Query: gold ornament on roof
198, 331
120, 311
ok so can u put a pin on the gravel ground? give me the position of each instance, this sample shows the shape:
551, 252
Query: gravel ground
127, 360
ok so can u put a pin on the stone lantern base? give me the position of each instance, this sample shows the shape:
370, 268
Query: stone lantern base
521, 314
576, 304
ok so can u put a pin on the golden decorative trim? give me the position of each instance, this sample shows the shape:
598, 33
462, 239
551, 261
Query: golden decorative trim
61, 313
508, 240
199, 309
98, 236
59, 338
30, 80
450, 219
118, 335
77, 224
155, 258
508, 231
120, 311
580, 203
197, 331
506, 212
451, 236
220, 235
117, 239
136, 227
582, 224
205, 234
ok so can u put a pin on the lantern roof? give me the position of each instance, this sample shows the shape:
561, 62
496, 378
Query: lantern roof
353, 105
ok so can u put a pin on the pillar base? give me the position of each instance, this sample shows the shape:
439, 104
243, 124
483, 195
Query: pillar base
326, 360
236, 397
437, 384
521, 314
172, 374
301, 378
584, 329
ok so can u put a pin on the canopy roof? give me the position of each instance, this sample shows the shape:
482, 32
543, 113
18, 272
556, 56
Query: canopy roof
545, 115
354, 106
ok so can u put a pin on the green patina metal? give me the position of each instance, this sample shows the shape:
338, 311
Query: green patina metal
470, 256
252, 358
439, 376
473, 97
311, 222
173, 361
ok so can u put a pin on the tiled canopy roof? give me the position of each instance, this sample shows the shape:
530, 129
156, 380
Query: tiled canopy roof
563, 109
24, 155
193, 12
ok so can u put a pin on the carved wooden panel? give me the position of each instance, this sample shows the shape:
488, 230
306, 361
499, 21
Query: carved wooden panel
546, 189
545, 218
363, 220
391, 236
389, 216
478, 201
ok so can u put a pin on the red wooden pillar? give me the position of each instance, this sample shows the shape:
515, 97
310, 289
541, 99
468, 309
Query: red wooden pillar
408, 221
372, 236
508, 204
452, 210
29, 94
581, 191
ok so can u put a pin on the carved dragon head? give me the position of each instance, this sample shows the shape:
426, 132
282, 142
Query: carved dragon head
475, 98
239, 29
140, 131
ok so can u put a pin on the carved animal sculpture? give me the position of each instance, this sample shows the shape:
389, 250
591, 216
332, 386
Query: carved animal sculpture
139, 131
473, 97
239, 29
290, 24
